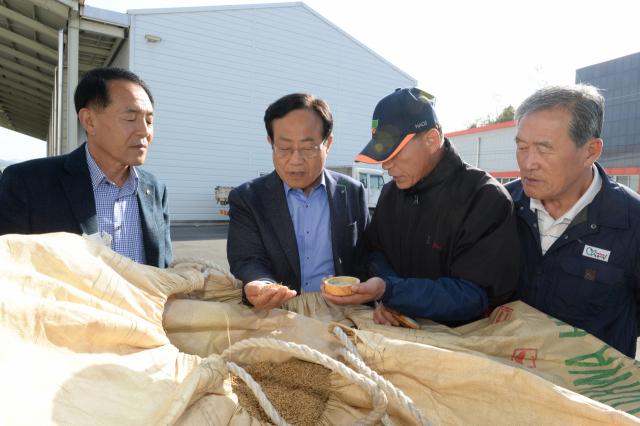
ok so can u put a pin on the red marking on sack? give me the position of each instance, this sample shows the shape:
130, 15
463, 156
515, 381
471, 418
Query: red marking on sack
224, 212
526, 357
503, 314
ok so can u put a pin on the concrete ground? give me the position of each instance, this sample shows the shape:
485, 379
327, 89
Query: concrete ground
208, 242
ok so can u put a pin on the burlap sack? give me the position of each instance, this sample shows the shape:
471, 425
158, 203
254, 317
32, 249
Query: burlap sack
222, 286
451, 384
82, 338
517, 334
89, 337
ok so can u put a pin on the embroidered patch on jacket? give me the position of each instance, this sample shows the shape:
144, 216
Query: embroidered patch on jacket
596, 253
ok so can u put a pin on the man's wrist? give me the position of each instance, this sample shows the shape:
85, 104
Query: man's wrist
388, 290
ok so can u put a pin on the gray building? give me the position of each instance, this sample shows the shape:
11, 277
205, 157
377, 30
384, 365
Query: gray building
618, 81
213, 71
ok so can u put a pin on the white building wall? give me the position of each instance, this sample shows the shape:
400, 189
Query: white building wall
122, 58
215, 72
497, 149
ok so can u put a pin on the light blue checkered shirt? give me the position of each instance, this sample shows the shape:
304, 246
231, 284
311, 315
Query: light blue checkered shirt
118, 212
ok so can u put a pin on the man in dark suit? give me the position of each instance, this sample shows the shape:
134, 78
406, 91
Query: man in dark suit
97, 187
301, 222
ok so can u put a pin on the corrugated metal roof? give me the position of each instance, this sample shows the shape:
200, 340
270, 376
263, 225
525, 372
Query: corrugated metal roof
29, 56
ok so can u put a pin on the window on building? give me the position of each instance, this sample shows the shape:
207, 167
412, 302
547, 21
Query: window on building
623, 179
506, 180
630, 181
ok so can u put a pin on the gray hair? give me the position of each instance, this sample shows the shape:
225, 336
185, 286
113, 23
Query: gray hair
582, 101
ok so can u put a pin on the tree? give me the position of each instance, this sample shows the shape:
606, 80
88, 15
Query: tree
504, 116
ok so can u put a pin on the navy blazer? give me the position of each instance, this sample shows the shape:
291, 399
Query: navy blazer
55, 194
262, 242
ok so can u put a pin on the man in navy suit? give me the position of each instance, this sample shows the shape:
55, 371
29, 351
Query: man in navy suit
97, 187
301, 222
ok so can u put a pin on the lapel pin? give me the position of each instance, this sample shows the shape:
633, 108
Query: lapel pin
147, 192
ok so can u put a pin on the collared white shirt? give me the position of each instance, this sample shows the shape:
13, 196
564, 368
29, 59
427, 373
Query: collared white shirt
117, 211
550, 229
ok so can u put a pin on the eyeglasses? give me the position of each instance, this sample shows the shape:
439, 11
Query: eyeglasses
306, 152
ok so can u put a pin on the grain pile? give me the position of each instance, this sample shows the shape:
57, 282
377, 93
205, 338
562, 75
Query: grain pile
298, 390
269, 286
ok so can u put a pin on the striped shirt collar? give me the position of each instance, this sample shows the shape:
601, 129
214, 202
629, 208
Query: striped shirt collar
583, 202
322, 182
97, 176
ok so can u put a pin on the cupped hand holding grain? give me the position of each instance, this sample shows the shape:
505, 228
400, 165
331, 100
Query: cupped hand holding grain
364, 292
270, 299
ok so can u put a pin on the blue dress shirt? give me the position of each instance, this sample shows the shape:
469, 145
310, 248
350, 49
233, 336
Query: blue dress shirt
118, 212
312, 224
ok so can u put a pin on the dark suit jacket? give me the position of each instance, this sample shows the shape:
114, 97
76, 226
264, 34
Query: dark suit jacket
55, 194
262, 242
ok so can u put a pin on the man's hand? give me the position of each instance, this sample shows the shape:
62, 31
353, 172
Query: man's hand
270, 299
381, 315
364, 292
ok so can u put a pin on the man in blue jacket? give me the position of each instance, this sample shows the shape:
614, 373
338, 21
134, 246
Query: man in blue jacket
580, 228
443, 242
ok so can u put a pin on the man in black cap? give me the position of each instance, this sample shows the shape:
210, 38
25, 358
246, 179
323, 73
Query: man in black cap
443, 242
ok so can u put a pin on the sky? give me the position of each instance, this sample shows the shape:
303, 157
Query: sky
475, 57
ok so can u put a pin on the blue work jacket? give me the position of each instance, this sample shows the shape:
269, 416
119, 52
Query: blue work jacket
576, 281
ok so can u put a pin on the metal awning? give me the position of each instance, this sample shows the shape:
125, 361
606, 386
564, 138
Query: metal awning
29, 59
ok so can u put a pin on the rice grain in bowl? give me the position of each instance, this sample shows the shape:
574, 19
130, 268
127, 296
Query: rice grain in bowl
340, 286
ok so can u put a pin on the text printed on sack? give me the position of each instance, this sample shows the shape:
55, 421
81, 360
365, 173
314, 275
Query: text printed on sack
610, 380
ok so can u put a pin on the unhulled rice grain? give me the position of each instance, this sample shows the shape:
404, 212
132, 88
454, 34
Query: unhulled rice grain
298, 390
269, 286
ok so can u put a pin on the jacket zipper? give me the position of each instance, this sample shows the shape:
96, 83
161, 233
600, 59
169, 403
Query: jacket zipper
415, 201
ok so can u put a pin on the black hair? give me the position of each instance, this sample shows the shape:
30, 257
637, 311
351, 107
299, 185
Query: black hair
93, 89
295, 101
437, 126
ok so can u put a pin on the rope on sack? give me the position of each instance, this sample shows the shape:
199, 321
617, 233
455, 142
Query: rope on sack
352, 352
352, 355
211, 265
306, 353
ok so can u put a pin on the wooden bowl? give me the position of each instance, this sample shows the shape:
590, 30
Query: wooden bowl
404, 320
340, 286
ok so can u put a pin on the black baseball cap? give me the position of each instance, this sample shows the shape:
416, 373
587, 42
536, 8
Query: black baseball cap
396, 119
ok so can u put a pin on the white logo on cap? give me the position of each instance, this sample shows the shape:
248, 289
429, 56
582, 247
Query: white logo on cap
424, 123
